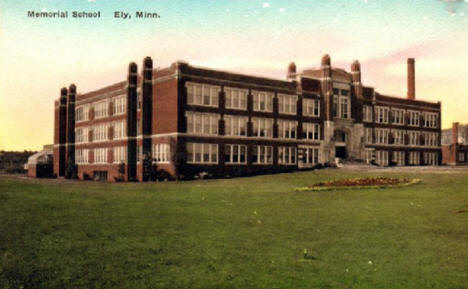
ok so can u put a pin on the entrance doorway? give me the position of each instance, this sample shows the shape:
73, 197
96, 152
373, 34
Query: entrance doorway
341, 152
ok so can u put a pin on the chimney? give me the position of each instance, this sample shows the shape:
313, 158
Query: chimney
291, 71
455, 133
411, 80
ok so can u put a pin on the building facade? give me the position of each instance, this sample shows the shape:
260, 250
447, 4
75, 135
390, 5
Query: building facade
193, 120
455, 145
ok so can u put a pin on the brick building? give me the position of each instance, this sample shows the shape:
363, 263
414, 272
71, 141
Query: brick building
455, 145
194, 120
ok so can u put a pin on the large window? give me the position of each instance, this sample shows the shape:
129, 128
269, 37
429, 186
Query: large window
414, 137
202, 123
100, 132
287, 155
79, 114
235, 98
398, 116
235, 125
311, 107
81, 135
368, 137
119, 104
430, 158
81, 156
311, 131
431, 138
100, 109
120, 154
262, 155
461, 157
287, 129
341, 103
414, 158
262, 127
262, 101
161, 153
235, 154
398, 157
381, 158
381, 114
398, 137
287, 103
367, 113
100, 155
202, 94
311, 156
119, 129
430, 119
381, 136
413, 118
202, 153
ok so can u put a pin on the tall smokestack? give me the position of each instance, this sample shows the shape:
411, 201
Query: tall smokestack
411, 79
455, 133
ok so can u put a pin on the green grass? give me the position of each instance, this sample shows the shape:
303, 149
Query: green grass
236, 233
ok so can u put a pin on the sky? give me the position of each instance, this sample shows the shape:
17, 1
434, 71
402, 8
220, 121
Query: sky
40, 56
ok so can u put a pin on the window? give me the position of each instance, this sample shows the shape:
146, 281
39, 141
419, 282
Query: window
262, 155
413, 118
202, 123
100, 132
119, 129
430, 119
431, 139
100, 109
414, 158
336, 105
262, 127
161, 153
81, 135
235, 154
79, 114
344, 107
368, 137
202, 94
398, 157
120, 154
413, 137
81, 156
235, 125
430, 158
398, 137
119, 104
235, 98
310, 131
287, 129
311, 156
286, 155
381, 114
287, 103
461, 157
202, 153
262, 101
398, 116
381, 158
100, 155
367, 113
381, 136
311, 107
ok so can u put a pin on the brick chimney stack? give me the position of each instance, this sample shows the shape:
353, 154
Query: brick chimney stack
291, 71
455, 133
411, 80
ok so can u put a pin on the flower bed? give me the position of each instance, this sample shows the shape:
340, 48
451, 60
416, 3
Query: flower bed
360, 183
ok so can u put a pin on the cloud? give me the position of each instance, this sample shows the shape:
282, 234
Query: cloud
266, 5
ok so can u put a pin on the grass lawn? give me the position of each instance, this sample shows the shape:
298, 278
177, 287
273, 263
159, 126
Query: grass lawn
235, 233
